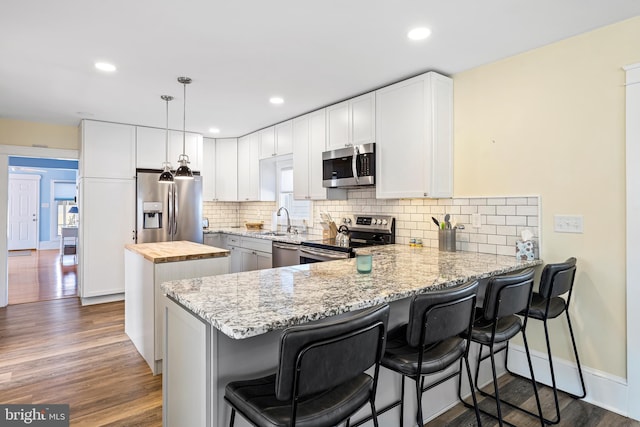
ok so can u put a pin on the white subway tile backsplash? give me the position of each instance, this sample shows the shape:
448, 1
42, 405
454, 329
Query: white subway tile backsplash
487, 210
516, 220
505, 210
517, 201
502, 218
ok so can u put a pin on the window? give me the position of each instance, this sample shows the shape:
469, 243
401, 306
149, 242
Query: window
64, 199
299, 210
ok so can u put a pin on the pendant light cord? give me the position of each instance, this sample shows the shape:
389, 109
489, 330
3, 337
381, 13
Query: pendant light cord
184, 119
166, 141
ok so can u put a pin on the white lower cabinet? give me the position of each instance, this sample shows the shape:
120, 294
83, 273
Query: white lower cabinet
248, 253
414, 138
107, 223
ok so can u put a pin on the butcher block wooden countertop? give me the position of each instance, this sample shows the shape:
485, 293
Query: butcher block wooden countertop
176, 251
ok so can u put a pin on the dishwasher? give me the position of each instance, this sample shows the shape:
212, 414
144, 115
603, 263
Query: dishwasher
284, 254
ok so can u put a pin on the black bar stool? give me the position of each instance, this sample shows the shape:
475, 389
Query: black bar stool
556, 280
320, 380
431, 342
496, 323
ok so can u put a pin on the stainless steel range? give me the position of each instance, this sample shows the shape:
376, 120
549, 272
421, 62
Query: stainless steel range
363, 230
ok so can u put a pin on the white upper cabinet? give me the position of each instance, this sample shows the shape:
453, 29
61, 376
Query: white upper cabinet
150, 148
284, 138
309, 141
192, 146
414, 145
267, 141
208, 171
276, 140
248, 168
226, 169
107, 150
351, 122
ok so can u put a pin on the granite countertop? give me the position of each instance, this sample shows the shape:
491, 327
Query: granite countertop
242, 305
264, 234
161, 252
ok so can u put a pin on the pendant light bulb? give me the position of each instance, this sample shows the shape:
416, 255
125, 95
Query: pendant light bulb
166, 176
183, 171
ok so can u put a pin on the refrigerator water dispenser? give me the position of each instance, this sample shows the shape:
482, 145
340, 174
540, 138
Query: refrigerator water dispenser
152, 212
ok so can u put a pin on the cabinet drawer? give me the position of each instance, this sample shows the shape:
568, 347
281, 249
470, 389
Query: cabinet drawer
261, 245
233, 240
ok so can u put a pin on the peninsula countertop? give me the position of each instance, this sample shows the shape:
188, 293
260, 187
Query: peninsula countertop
243, 305
182, 250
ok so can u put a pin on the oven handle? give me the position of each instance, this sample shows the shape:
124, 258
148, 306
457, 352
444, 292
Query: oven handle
325, 254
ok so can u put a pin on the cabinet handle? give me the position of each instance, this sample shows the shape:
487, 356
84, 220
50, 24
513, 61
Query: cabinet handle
426, 194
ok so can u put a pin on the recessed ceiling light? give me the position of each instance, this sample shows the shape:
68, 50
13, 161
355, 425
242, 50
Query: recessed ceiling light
214, 130
419, 33
276, 100
105, 66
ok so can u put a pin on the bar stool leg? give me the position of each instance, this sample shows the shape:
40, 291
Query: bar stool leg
419, 399
402, 403
374, 414
495, 385
575, 352
533, 378
233, 417
473, 392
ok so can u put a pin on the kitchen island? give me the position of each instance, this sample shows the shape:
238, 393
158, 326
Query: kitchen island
225, 328
147, 265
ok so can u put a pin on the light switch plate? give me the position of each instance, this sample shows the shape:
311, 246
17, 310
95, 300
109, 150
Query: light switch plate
568, 224
476, 220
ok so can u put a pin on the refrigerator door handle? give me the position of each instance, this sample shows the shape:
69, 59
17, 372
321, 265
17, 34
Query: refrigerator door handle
175, 210
170, 206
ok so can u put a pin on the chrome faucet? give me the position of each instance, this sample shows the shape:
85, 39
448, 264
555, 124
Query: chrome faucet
288, 219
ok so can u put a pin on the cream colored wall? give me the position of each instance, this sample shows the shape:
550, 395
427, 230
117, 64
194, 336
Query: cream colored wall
552, 122
24, 133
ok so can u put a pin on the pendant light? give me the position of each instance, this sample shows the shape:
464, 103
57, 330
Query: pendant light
166, 176
183, 171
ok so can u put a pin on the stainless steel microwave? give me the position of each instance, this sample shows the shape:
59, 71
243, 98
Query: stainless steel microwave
349, 167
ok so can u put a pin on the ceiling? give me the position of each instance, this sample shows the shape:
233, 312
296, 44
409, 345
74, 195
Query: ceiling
240, 53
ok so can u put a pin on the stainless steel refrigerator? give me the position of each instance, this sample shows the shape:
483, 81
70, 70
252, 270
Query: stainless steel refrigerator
168, 212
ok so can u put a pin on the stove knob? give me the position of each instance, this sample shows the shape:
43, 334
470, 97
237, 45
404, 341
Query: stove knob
347, 220
378, 221
384, 222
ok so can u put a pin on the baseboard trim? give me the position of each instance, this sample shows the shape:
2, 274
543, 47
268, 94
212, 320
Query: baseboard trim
603, 389
102, 299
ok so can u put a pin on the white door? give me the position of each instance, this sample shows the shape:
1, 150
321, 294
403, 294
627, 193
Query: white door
24, 199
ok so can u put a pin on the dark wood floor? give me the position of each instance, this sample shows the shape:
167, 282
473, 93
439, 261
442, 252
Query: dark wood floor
60, 352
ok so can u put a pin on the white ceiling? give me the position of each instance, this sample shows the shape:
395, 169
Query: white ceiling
241, 52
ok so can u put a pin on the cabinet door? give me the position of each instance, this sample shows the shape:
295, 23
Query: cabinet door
284, 138
249, 260
235, 259
317, 144
208, 171
301, 165
408, 132
338, 126
263, 260
192, 148
226, 169
267, 138
248, 169
362, 111
107, 223
108, 150
150, 148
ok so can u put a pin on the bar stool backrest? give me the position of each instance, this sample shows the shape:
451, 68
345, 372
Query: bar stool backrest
557, 279
507, 295
435, 316
318, 357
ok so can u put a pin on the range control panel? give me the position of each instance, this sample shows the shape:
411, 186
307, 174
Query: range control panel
372, 223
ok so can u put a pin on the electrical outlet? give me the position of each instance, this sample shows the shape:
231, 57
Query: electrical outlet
568, 223
476, 220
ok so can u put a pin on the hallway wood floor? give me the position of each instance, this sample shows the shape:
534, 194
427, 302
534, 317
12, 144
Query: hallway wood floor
40, 276
60, 352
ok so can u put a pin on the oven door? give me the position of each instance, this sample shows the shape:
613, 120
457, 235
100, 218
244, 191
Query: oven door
310, 255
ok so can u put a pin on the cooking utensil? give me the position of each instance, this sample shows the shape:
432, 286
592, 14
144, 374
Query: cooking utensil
436, 222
